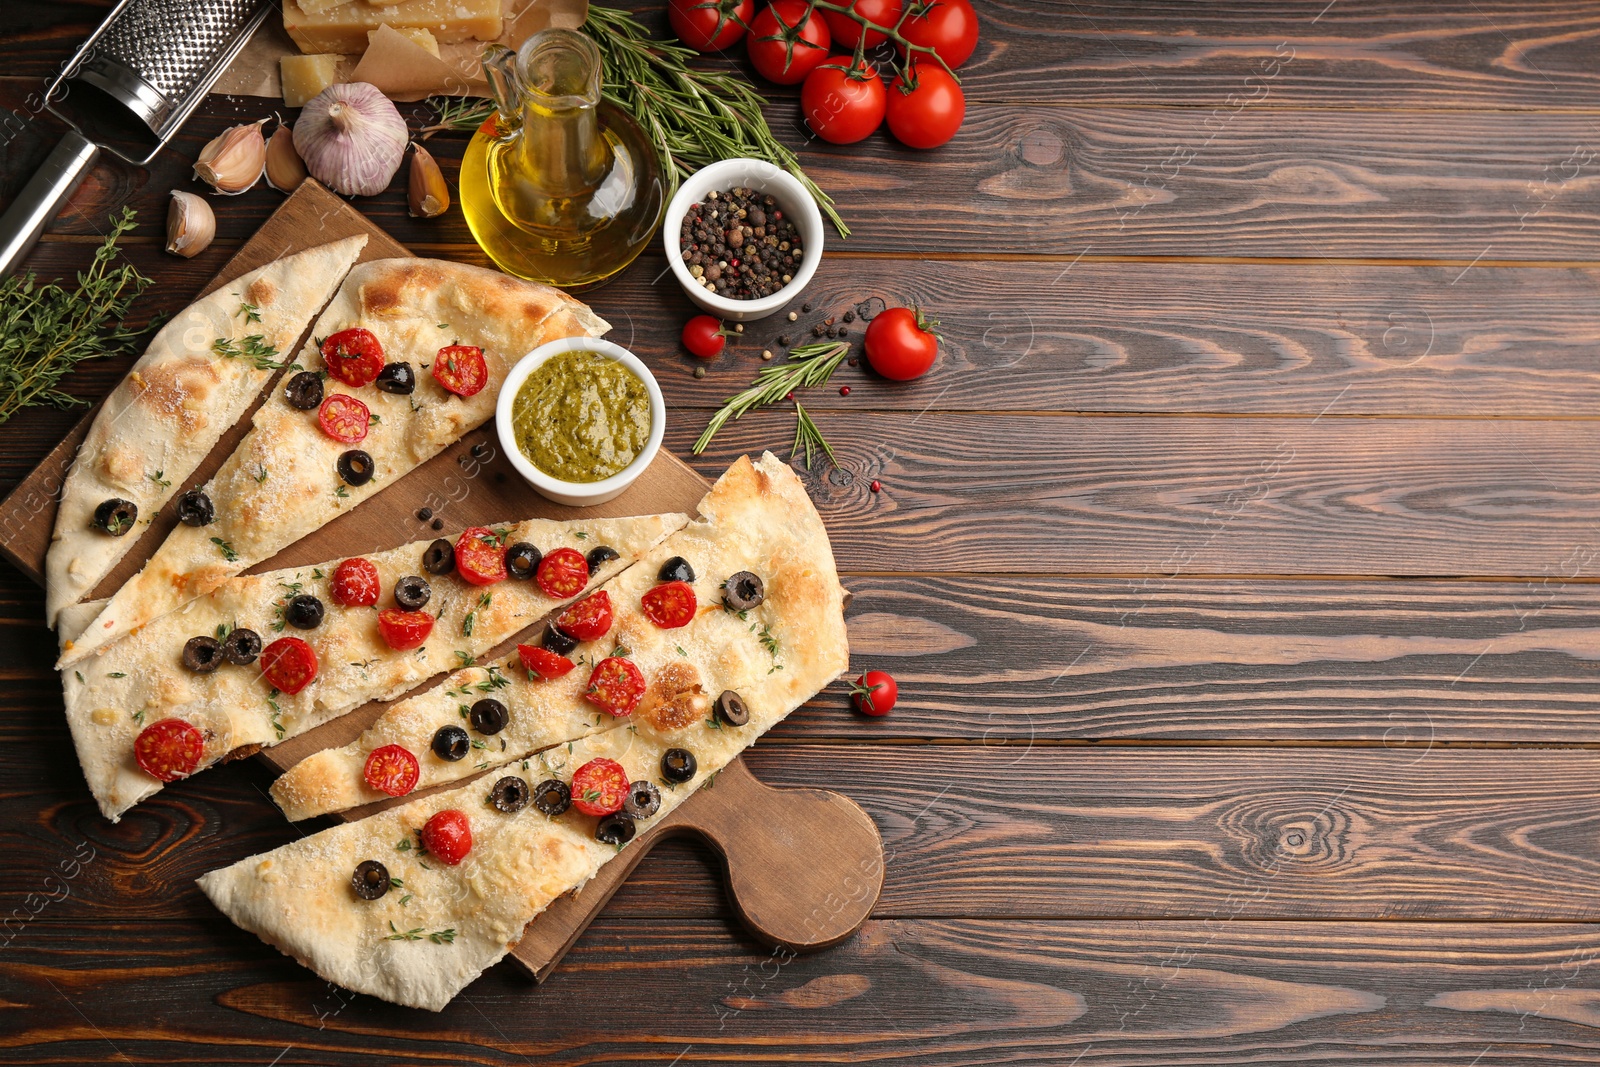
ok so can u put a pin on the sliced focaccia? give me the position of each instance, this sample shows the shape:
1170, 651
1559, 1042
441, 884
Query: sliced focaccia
268, 656
408, 357
195, 381
413, 903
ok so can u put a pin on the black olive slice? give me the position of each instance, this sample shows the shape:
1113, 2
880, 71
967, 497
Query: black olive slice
730, 708
371, 880
614, 829
397, 378
678, 765
676, 569
451, 743
552, 796
600, 554
116, 516
558, 642
440, 557
304, 390
303, 612
488, 716
743, 591
202, 654
355, 467
241, 646
195, 508
510, 794
644, 800
522, 560
412, 592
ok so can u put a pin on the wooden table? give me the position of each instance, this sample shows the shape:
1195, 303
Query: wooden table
1236, 562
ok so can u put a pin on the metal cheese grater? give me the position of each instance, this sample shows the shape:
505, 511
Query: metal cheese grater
146, 67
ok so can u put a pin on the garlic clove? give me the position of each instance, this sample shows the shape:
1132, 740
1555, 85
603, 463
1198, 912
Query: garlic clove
234, 160
285, 169
352, 138
190, 224
427, 193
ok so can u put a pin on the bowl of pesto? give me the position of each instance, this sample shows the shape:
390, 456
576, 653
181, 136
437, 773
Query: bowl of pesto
580, 419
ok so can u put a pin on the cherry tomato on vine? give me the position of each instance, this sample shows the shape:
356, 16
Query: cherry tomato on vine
949, 27
926, 109
788, 41
847, 31
901, 343
710, 25
875, 693
704, 337
843, 102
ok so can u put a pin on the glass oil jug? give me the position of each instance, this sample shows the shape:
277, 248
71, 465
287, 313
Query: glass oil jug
561, 186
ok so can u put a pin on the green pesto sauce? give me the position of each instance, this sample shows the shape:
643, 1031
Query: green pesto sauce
581, 416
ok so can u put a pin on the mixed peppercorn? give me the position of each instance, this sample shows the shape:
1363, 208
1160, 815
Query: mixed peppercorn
740, 244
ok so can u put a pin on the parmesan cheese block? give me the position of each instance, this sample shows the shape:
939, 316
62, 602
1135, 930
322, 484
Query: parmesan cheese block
304, 77
343, 28
417, 35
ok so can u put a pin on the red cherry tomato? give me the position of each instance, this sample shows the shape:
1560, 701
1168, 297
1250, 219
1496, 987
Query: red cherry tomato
901, 343
344, 418
562, 573
356, 583
540, 661
615, 686
404, 630
710, 25
928, 114
289, 664
448, 835
842, 102
786, 43
949, 27
589, 619
169, 749
670, 605
461, 369
703, 336
480, 557
599, 787
847, 31
353, 356
874, 693
391, 769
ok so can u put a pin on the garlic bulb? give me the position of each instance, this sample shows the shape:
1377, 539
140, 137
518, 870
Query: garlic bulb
352, 138
234, 159
190, 224
285, 170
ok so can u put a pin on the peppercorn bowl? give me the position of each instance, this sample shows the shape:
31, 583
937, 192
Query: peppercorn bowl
765, 179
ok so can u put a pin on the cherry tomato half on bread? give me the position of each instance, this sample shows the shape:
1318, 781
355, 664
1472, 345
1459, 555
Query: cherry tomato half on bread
404, 630
289, 664
355, 583
670, 605
448, 835
949, 27
925, 110
787, 41
344, 418
704, 337
589, 619
562, 573
710, 25
599, 787
353, 356
543, 663
847, 31
615, 686
901, 343
843, 102
391, 769
874, 693
169, 749
461, 369
480, 557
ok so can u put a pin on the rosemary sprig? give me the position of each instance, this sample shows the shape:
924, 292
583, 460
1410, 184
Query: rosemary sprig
807, 435
456, 113
806, 366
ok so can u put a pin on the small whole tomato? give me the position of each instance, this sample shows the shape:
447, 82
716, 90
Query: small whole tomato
843, 101
704, 337
391, 769
448, 835
404, 630
787, 41
169, 749
846, 31
949, 27
355, 583
710, 25
599, 787
925, 110
461, 369
901, 343
875, 693
289, 664
353, 356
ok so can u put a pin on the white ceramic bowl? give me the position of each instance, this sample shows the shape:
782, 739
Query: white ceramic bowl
763, 177
578, 494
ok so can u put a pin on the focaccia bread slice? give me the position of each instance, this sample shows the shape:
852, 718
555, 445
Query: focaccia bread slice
141, 680
441, 925
282, 482
731, 536
195, 381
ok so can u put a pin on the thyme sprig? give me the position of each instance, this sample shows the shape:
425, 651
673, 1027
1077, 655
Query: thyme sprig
807, 365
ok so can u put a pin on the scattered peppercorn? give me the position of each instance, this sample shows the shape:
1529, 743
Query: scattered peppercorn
806, 306
875, 487
793, 316
853, 361
424, 514
789, 396
849, 316
480, 450
784, 340
738, 327
438, 524
844, 390
766, 353
699, 372
816, 331
841, 331
743, 248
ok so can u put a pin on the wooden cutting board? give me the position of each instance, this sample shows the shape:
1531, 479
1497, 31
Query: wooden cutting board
804, 865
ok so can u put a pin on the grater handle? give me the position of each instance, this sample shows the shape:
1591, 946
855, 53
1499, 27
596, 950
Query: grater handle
39, 201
